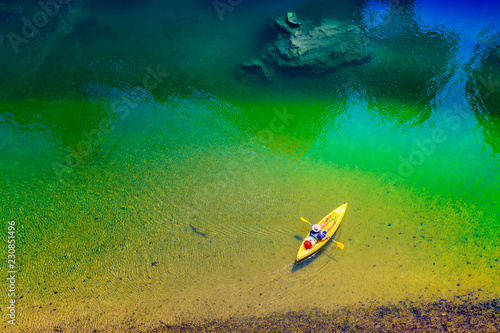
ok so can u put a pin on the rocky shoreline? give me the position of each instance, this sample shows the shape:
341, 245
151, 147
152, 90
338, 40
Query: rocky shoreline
463, 314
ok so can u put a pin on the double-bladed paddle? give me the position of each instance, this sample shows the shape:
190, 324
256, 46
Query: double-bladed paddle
339, 244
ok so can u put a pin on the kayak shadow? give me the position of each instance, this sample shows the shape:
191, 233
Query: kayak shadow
309, 260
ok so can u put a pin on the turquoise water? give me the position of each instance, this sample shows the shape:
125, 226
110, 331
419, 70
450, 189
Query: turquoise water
150, 183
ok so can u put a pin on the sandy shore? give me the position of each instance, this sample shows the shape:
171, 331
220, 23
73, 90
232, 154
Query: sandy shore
462, 314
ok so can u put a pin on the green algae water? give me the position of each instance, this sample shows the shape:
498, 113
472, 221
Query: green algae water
151, 184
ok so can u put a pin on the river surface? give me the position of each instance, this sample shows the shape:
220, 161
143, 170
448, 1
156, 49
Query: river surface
150, 183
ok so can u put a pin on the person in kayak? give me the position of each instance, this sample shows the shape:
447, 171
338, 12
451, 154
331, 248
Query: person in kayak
317, 235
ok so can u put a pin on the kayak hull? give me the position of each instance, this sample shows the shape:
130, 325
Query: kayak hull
337, 215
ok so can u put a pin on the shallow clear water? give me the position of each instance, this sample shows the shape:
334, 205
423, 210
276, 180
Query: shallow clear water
178, 199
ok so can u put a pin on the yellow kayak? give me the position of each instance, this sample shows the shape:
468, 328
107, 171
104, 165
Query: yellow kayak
335, 217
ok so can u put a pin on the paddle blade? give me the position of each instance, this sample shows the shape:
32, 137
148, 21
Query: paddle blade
306, 221
339, 244
304, 228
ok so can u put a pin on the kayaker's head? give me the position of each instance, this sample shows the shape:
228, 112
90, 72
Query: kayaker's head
307, 244
316, 228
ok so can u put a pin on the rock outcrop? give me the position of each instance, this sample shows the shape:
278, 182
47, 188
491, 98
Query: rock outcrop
256, 70
319, 49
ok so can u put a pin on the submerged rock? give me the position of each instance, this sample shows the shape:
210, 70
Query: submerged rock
319, 49
286, 26
292, 20
256, 70
323, 49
